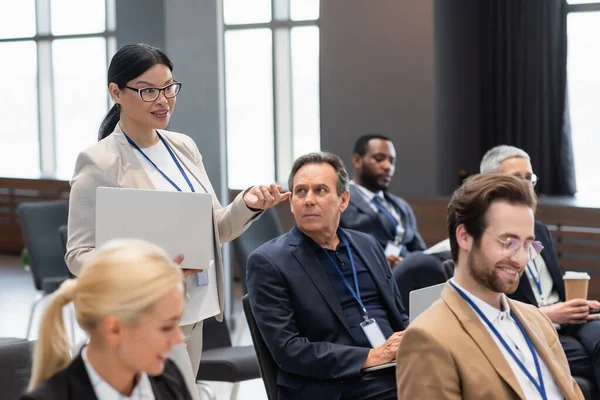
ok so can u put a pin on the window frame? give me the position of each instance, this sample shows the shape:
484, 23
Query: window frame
43, 40
280, 26
582, 8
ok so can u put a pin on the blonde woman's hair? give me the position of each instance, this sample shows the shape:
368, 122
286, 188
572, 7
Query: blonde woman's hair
124, 278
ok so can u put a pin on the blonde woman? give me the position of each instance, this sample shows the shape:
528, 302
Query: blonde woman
129, 300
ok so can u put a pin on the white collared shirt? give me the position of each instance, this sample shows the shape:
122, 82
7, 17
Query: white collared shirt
201, 301
369, 196
508, 328
543, 275
160, 156
104, 391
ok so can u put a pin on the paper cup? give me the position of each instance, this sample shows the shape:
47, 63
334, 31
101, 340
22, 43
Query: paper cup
576, 285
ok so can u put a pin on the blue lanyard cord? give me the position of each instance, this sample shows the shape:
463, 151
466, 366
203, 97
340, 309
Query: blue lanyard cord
387, 214
540, 387
158, 169
538, 280
355, 294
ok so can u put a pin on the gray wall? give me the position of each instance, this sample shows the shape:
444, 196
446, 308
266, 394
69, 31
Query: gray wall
409, 70
458, 91
377, 75
140, 21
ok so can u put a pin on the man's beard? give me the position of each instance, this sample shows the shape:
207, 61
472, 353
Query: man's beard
369, 180
486, 274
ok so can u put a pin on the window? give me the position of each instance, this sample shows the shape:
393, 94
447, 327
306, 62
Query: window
271, 87
58, 51
583, 64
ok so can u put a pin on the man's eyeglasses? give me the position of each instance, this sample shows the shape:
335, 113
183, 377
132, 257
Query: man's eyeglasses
149, 94
511, 246
533, 179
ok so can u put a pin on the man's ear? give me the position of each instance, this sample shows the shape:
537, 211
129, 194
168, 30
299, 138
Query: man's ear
464, 239
114, 92
345, 200
356, 161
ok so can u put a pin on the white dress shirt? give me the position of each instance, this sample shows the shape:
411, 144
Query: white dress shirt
369, 196
512, 335
539, 271
196, 295
104, 391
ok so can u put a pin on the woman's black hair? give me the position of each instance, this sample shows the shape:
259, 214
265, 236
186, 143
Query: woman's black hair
128, 63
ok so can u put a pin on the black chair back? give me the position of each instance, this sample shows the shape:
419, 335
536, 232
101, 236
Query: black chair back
15, 368
62, 234
268, 366
39, 223
266, 228
215, 334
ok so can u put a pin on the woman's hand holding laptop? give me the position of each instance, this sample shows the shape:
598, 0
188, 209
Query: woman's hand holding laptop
186, 272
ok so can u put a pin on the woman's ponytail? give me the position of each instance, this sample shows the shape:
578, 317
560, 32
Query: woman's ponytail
51, 352
110, 122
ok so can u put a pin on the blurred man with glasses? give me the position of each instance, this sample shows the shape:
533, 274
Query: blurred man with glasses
542, 284
475, 342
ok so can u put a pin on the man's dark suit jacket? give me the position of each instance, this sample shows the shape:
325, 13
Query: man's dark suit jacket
361, 217
301, 319
73, 383
524, 292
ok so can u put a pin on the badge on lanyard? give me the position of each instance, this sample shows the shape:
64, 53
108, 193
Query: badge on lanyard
369, 326
373, 332
393, 249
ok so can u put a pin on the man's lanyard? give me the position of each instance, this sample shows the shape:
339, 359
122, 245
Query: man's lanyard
538, 280
158, 169
540, 387
355, 294
387, 214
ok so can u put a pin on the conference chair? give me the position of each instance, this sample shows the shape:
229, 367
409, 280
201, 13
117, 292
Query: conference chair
266, 362
261, 231
222, 362
15, 367
40, 222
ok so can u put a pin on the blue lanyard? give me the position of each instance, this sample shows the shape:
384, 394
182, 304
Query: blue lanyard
540, 387
158, 169
387, 214
538, 280
355, 294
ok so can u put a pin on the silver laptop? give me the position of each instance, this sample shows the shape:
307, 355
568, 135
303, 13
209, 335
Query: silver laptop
179, 222
421, 299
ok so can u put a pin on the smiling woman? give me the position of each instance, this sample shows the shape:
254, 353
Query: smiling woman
129, 300
136, 151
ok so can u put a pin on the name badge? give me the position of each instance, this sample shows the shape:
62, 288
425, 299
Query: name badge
393, 249
373, 332
202, 277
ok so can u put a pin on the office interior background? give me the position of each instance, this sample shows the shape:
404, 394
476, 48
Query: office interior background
265, 81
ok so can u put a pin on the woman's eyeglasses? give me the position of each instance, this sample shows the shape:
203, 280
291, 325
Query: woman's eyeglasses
149, 94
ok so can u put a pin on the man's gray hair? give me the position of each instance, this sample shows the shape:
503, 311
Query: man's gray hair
343, 180
493, 158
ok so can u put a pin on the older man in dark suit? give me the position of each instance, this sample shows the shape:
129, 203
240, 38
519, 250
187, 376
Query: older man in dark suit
324, 297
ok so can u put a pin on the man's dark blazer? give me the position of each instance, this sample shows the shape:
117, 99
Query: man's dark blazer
361, 217
73, 383
301, 319
524, 292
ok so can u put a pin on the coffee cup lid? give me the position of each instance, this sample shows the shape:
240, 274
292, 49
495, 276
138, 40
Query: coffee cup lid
576, 275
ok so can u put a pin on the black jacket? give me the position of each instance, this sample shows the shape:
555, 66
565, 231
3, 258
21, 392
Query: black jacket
73, 383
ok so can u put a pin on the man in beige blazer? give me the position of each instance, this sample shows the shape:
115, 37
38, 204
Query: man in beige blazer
476, 343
